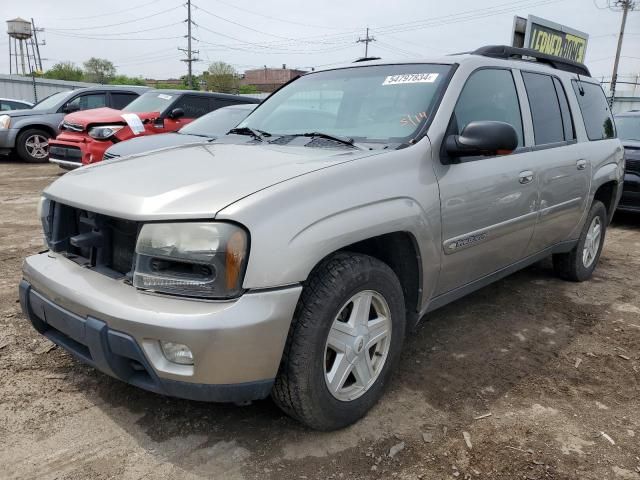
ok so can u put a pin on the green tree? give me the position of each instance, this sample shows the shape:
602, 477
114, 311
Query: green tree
222, 77
99, 70
125, 80
64, 71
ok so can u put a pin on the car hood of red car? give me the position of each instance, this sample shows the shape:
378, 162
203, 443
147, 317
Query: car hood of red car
103, 116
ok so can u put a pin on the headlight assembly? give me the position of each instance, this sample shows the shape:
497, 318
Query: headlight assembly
5, 121
104, 132
203, 259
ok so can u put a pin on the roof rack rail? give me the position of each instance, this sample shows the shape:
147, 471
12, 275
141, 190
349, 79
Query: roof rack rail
506, 52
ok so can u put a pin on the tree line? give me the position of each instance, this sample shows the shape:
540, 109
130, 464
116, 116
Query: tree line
219, 76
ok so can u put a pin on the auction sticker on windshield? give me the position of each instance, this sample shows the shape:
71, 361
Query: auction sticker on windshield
410, 78
134, 122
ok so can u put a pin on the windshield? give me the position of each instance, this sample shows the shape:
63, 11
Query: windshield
628, 128
51, 101
386, 103
217, 123
150, 102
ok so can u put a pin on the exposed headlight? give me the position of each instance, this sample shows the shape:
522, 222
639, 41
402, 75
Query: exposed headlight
203, 259
5, 121
105, 131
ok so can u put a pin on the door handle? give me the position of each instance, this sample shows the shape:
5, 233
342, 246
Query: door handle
525, 177
581, 164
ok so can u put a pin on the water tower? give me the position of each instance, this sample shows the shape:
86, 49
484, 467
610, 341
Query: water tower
21, 32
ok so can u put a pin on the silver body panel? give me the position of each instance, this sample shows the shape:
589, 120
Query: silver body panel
469, 220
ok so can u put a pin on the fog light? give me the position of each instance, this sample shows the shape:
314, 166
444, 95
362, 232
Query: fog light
177, 353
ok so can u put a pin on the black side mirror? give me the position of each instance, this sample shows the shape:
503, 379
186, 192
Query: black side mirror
71, 107
484, 137
176, 113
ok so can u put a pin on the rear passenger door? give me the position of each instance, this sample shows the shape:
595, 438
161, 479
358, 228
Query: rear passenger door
488, 204
564, 172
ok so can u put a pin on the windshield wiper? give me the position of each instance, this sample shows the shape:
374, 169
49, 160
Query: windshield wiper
328, 136
253, 132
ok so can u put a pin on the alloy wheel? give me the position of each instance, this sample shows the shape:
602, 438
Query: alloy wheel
592, 242
37, 146
357, 345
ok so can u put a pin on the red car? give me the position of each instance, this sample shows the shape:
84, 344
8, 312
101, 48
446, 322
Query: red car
86, 135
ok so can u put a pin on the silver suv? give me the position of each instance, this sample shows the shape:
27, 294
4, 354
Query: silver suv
293, 255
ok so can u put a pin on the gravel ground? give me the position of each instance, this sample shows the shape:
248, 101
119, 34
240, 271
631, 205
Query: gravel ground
530, 378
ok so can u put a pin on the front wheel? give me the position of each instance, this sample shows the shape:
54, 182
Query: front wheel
33, 145
578, 264
345, 337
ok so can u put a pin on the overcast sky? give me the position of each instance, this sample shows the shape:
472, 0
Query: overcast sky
141, 37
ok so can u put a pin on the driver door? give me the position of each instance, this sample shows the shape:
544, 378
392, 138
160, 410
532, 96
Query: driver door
488, 204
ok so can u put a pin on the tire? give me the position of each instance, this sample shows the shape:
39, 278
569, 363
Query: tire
30, 145
577, 265
302, 386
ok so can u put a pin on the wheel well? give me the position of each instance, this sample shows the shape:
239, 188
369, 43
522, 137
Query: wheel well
400, 252
46, 128
606, 193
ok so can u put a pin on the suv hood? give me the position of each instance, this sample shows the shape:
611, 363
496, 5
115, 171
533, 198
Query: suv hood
103, 115
25, 113
194, 181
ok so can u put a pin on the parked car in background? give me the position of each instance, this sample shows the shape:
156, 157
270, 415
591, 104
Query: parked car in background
85, 136
628, 125
11, 104
205, 129
28, 131
292, 256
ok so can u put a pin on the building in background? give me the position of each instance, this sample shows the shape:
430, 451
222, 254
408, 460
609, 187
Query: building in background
269, 79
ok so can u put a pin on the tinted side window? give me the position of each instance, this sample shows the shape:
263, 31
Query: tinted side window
488, 95
545, 109
595, 110
567, 121
93, 100
121, 100
193, 106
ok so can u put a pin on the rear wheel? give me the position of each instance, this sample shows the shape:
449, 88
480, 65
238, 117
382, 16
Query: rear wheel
344, 340
578, 264
33, 145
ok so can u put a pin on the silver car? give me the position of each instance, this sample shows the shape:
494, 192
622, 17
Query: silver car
292, 256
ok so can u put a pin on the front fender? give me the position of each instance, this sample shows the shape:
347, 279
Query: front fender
297, 223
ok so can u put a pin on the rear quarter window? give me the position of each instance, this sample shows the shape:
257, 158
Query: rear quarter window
597, 117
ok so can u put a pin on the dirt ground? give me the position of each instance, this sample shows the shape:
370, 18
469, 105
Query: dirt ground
541, 376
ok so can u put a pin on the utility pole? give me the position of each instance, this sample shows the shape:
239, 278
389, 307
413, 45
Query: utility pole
190, 58
37, 44
366, 40
626, 6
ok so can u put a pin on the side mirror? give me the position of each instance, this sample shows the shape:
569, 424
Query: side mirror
484, 137
71, 107
176, 113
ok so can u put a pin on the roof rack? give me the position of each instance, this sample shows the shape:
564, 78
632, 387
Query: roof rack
506, 52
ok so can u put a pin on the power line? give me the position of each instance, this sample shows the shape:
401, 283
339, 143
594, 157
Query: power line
99, 27
86, 37
123, 33
102, 15
275, 18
